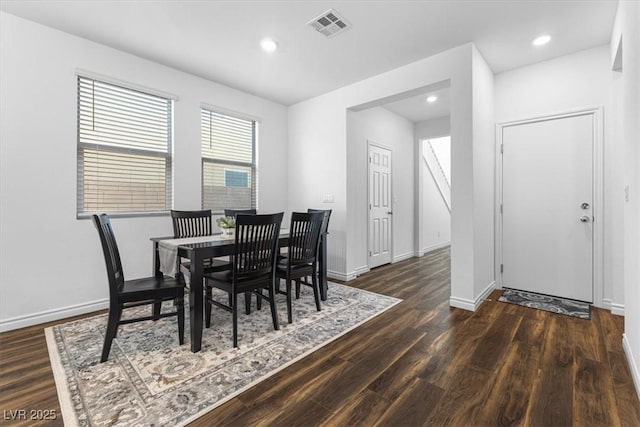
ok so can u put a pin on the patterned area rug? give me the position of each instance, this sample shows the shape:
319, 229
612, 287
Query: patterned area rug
548, 303
150, 380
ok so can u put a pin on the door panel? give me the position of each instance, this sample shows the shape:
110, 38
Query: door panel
547, 174
379, 206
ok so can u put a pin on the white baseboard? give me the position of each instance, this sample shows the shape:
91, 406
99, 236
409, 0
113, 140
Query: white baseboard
633, 365
343, 277
51, 315
472, 305
617, 309
614, 308
463, 303
403, 257
431, 248
360, 271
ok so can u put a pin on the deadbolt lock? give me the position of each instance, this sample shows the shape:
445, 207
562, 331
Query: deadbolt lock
585, 205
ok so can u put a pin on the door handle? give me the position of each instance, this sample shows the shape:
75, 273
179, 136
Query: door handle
390, 213
584, 218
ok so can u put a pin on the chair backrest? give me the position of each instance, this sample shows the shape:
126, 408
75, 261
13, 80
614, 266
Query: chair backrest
235, 212
304, 237
111, 254
191, 223
256, 246
327, 216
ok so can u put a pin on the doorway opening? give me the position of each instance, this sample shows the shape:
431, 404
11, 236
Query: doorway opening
400, 123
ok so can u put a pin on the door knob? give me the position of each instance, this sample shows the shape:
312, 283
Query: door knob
390, 213
584, 218
585, 205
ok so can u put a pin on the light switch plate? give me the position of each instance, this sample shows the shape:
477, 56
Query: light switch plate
328, 198
626, 193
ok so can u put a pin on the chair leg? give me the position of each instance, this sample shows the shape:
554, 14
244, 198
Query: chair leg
112, 327
289, 308
180, 309
207, 307
298, 289
259, 299
272, 303
247, 302
157, 306
316, 290
234, 313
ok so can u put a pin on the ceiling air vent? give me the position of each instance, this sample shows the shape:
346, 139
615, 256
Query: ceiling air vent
330, 23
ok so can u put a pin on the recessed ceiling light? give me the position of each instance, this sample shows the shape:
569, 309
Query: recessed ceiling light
432, 99
541, 40
269, 45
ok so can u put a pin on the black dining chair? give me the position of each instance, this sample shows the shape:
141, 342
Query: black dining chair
322, 253
253, 267
197, 224
125, 294
191, 223
302, 256
234, 212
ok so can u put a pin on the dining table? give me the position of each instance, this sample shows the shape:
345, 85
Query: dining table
168, 250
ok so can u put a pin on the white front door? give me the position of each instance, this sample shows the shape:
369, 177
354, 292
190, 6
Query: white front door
380, 206
547, 206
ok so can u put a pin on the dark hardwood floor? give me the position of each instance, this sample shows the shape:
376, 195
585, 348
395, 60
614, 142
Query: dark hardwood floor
419, 363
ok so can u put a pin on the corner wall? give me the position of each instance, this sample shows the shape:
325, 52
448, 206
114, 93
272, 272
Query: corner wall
318, 127
484, 167
627, 102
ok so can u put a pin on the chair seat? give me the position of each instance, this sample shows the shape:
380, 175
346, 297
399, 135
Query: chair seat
223, 279
212, 265
284, 261
156, 287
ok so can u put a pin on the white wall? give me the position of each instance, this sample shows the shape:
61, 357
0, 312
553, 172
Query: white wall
387, 129
51, 264
434, 220
433, 128
569, 83
318, 139
483, 175
627, 104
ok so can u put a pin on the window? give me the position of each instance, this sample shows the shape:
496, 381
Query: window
228, 162
236, 178
124, 149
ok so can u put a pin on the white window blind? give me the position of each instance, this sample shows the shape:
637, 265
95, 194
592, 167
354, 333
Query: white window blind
124, 149
228, 162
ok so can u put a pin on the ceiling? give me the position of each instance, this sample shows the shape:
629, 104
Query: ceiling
219, 40
417, 109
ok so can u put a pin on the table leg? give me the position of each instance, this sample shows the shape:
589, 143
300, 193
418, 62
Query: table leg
324, 288
196, 301
157, 273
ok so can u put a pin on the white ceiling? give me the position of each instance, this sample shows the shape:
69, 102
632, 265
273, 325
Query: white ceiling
218, 40
417, 109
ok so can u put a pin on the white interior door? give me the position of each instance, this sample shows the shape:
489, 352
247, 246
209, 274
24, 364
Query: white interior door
380, 207
547, 206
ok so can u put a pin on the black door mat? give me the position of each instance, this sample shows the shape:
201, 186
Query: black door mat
558, 305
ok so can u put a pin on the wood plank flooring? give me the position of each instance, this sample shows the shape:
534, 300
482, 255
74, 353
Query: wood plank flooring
421, 363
